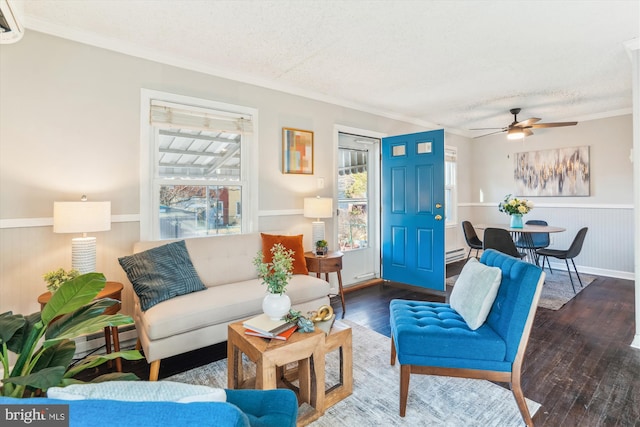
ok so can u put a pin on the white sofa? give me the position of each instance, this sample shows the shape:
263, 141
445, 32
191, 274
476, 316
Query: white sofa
233, 292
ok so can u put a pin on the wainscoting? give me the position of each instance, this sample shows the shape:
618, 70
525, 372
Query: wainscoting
608, 247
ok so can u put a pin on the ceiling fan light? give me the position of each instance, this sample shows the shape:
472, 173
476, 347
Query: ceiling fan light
515, 133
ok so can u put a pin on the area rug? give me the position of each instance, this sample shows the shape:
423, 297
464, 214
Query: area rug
557, 290
433, 401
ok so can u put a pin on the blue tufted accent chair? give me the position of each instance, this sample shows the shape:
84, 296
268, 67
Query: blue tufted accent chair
433, 339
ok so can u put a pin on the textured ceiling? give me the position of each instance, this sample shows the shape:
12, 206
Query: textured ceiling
452, 64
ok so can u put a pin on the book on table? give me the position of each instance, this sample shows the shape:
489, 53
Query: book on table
266, 325
283, 336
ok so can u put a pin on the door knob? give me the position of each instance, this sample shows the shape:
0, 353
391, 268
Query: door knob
438, 217
438, 205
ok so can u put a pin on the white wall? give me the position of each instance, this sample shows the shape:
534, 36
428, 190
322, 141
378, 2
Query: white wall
69, 125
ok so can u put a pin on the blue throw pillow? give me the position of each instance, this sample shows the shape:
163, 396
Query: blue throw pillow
161, 273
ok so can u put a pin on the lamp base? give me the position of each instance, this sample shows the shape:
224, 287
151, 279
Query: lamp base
83, 254
317, 232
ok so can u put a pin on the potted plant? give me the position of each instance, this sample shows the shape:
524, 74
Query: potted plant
275, 275
43, 341
57, 277
515, 208
322, 247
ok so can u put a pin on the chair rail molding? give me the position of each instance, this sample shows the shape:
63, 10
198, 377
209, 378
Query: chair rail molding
48, 221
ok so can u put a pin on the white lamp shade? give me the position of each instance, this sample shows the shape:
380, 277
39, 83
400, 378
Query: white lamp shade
81, 217
318, 207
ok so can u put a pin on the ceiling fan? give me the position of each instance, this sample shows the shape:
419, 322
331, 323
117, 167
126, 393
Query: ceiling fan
517, 130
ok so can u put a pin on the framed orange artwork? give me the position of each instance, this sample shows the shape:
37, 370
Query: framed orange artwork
297, 151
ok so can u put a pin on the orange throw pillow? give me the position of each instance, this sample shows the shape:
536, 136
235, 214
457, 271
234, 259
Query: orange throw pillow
289, 242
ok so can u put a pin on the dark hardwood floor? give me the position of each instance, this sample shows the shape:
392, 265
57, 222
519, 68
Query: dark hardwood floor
579, 365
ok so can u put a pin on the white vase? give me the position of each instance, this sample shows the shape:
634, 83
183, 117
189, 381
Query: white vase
276, 306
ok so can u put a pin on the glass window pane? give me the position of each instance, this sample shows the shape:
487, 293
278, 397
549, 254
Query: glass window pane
424, 147
199, 210
353, 196
353, 225
186, 153
398, 150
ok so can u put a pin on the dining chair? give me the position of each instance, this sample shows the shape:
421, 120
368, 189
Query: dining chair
539, 240
534, 241
500, 240
567, 254
473, 241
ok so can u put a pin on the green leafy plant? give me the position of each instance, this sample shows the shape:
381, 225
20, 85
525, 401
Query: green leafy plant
275, 274
321, 244
43, 341
57, 277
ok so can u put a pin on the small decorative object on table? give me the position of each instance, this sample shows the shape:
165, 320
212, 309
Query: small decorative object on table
322, 247
304, 324
56, 278
275, 275
515, 208
323, 318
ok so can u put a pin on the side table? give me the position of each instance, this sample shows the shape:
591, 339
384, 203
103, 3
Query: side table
329, 263
307, 349
111, 290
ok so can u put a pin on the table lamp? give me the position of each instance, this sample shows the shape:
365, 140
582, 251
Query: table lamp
82, 217
318, 207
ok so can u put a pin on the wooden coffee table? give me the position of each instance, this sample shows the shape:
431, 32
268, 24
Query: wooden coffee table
340, 340
305, 348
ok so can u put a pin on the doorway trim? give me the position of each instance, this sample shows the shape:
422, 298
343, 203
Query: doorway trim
375, 203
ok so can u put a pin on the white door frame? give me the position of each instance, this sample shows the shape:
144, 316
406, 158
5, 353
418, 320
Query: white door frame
374, 201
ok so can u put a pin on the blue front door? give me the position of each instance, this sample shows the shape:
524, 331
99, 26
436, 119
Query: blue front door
413, 209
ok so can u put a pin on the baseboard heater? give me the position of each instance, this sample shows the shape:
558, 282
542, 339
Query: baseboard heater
94, 343
454, 255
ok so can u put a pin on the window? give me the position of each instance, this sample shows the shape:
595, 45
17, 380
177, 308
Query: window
450, 189
196, 167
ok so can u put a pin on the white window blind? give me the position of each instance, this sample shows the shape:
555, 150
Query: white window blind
170, 115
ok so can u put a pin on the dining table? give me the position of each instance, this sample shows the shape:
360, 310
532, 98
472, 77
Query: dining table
524, 234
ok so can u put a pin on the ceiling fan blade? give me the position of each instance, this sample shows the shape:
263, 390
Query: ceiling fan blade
554, 125
492, 133
527, 132
527, 122
503, 128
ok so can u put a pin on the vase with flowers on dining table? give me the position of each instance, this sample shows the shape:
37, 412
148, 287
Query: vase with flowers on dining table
515, 208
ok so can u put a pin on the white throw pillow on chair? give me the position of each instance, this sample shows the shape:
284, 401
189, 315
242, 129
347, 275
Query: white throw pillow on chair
475, 291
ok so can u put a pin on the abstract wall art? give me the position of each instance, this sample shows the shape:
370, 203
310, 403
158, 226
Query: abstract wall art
557, 172
297, 151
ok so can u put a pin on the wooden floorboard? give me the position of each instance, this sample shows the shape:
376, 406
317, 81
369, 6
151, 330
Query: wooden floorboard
578, 365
